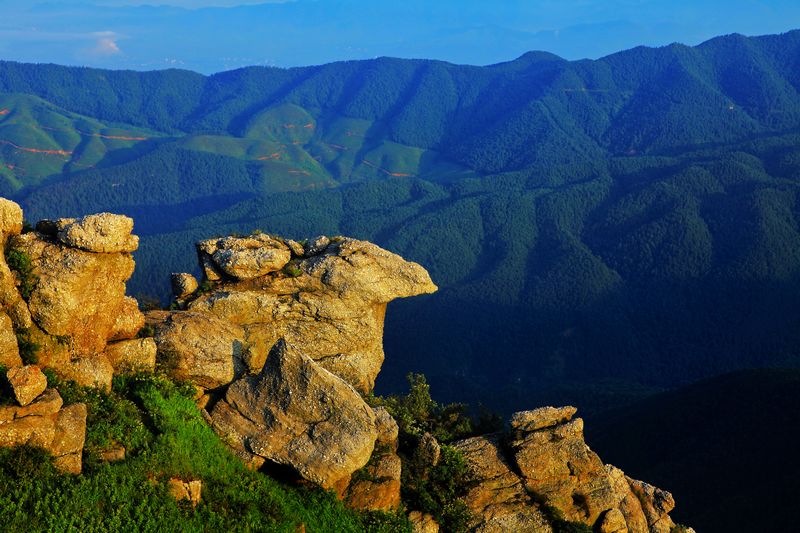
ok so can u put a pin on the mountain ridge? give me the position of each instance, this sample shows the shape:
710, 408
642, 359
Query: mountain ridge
589, 222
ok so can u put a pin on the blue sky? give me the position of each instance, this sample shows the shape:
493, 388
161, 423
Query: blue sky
214, 35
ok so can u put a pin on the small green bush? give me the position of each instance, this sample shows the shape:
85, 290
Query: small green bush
417, 413
292, 268
21, 263
28, 349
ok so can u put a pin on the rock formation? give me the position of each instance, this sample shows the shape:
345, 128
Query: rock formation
63, 306
331, 300
543, 464
68, 293
39, 419
282, 341
296, 413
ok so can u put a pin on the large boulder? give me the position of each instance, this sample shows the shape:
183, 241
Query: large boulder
78, 295
134, 355
296, 413
333, 304
498, 500
200, 348
103, 232
246, 257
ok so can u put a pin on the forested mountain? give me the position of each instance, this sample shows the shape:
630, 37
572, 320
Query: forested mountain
599, 229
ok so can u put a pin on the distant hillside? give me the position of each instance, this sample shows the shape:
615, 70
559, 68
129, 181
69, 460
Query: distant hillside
726, 448
599, 229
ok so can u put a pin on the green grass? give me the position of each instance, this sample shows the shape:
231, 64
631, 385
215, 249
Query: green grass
165, 436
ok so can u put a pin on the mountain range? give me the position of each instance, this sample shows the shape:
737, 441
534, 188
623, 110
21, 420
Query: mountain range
600, 230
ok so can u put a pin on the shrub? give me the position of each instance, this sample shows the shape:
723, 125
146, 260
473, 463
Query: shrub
417, 413
21, 263
28, 349
292, 268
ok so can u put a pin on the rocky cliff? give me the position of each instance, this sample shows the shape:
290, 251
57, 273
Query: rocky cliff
282, 341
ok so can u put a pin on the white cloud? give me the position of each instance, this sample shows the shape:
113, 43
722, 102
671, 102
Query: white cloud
106, 44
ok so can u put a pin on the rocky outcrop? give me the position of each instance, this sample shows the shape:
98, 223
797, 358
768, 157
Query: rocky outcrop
333, 304
201, 348
376, 487
62, 295
281, 341
78, 295
41, 421
498, 501
63, 291
543, 464
296, 413
103, 232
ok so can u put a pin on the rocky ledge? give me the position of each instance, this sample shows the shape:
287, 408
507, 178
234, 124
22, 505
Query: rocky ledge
282, 341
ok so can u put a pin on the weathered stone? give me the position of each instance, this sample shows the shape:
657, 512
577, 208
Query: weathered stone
542, 417
103, 232
628, 504
183, 284
185, 490
422, 522
48, 403
428, 451
78, 295
556, 464
498, 500
70, 431
656, 504
27, 382
94, 371
251, 263
379, 488
201, 349
316, 245
295, 247
114, 453
135, 355
9, 351
129, 320
334, 308
37, 431
613, 521
243, 257
296, 413
10, 218
387, 429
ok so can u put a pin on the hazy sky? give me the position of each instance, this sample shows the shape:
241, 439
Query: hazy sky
213, 35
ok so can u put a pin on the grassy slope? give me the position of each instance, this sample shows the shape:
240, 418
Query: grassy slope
165, 436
